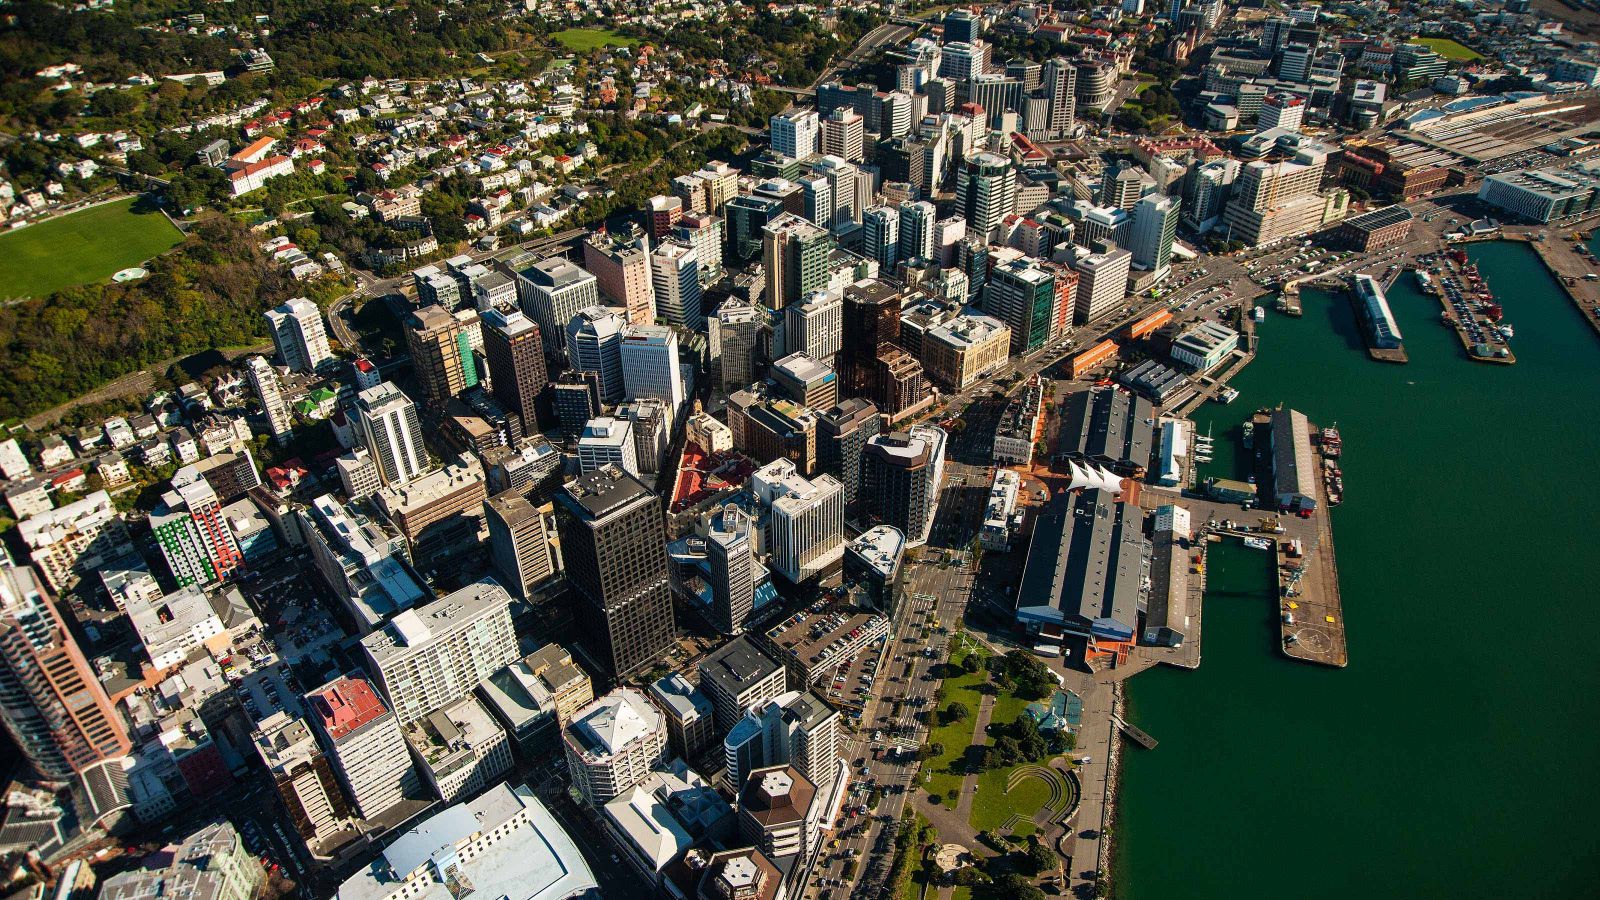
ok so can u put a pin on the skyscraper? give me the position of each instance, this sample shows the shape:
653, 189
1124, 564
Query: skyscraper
1155, 228
748, 214
551, 292
871, 319
1059, 84
796, 133
519, 544
798, 728
730, 550
703, 232
362, 736
270, 393
193, 534
297, 332
51, 703
734, 334
916, 229
594, 344
794, 255
614, 546
986, 192
393, 433
842, 435
650, 365
804, 519
428, 657
675, 267
621, 265
441, 355
881, 236
514, 350
1022, 295
903, 474
843, 134
1102, 282
815, 326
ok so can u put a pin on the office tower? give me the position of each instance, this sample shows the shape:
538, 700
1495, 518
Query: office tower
1274, 33
737, 676
986, 190
1275, 200
51, 702
430, 656
903, 474
651, 422
781, 813
594, 344
1281, 111
649, 357
358, 474
794, 255
774, 429
721, 184
270, 393
441, 355
804, 519
817, 193
916, 229
843, 135
575, 397
815, 326
514, 350
303, 777
1022, 295
894, 114
393, 433
730, 551
948, 233
735, 336
806, 381
551, 292
297, 332
608, 441
962, 25
795, 134
881, 236
1102, 282
852, 189
614, 546
1294, 63
620, 263
675, 269
703, 232
871, 319
902, 384
193, 534
748, 215
691, 727
960, 60
1121, 188
997, 94
519, 544
363, 739
665, 213
797, 728
842, 435
612, 744
1059, 85
441, 512
1155, 228
1206, 190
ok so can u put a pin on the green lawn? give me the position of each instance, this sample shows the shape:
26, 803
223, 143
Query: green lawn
1449, 49
80, 248
956, 736
582, 40
993, 806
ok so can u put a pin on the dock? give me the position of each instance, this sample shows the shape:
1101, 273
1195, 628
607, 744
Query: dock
1454, 279
1134, 733
1311, 609
1569, 268
1369, 326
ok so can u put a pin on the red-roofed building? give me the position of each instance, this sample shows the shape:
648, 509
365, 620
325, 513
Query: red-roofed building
255, 151
363, 739
245, 179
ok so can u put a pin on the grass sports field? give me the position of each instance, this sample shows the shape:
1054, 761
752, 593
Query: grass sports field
582, 40
1449, 49
80, 248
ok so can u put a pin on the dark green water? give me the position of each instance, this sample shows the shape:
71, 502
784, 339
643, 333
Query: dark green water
1457, 754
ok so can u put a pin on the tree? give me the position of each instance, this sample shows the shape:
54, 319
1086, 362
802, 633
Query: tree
931, 751
1039, 857
1012, 886
957, 712
970, 663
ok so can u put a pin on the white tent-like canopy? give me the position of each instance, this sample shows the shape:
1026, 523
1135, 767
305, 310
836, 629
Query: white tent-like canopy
1092, 477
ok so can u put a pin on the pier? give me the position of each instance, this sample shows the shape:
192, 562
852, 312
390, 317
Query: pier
1134, 733
1569, 268
1465, 317
1311, 610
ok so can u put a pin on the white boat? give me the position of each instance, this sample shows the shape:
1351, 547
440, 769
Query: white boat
1507, 330
1228, 395
1256, 543
1260, 314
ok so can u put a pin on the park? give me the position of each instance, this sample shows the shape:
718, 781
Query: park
81, 248
582, 40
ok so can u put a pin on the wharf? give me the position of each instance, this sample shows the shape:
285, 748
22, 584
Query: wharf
1482, 322
1311, 610
1379, 354
1569, 268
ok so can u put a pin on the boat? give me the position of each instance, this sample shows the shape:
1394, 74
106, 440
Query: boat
1507, 330
1227, 395
1259, 314
1256, 543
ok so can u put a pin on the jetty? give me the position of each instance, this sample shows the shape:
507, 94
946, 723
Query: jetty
1311, 609
1134, 733
1467, 306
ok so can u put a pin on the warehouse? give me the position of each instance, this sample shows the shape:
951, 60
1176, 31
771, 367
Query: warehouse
1294, 470
1108, 426
1085, 569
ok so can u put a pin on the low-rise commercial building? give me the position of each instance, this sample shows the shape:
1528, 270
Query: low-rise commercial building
1201, 347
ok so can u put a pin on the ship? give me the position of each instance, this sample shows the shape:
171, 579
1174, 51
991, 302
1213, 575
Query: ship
1425, 283
1332, 444
1507, 330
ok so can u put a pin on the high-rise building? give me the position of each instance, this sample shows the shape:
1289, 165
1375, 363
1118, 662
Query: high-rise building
519, 544
665, 213
730, 551
1281, 111
675, 268
996, 93
795, 134
612, 744
1206, 190
691, 726
75, 539
650, 420
594, 344
1059, 84
748, 215
737, 676
1022, 294
51, 703
514, 350
871, 320
842, 435
193, 533
703, 232
804, 519
303, 777
986, 191
843, 132
551, 292
798, 728
1275, 200
431, 656
608, 441
441, 355
806, 381
852, 190
962, 25
211, 864
575, 396
815, 326
1294, 62
297, 332
362, 736
1102, 282
880, 227
781, 812
393, 433
903, 474
620, 263
916, 229
1155, 229
735, 334
270, 392
650, 366
960, 60
441, 512
614, 546
794, 256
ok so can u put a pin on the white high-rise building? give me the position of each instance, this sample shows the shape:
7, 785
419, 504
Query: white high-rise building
431, 656
880, 226
675, 270
1059, 83
594, 344
815, 326
843, 135
1102, 283
613, 743
362, 737
796, 134
798, 728
650, 365
270, 392
916, 229
551, 292
961, 60
393, 433
1281, 111
804, 520
297, 331
608, 441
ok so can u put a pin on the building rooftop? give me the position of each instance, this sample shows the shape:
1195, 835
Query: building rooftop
667, 812
604, 491
609, 724
968, 330
1085, 566
345, 704
677, 696
880, 547
415, 627
736, 665
777, 795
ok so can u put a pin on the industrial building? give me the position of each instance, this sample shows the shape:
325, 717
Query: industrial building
1294, 468
1107, 426
1085, 569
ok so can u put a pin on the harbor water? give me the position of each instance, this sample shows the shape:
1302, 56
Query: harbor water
1456, 755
